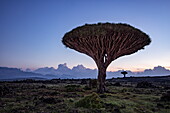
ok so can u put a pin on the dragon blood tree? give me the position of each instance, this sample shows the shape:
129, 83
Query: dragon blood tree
124, 73
105, 42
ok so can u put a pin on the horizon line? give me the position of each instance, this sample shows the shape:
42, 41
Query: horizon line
120, 69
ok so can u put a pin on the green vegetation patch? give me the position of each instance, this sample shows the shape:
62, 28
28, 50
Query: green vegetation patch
73, 88
90, 101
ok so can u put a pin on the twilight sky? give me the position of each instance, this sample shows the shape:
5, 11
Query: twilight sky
31, 31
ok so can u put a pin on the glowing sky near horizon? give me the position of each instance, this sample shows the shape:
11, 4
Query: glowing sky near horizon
31, 31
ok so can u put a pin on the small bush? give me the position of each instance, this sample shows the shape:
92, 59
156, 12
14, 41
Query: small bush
42, 86
103, 96
87, 88
53, 93
117, 84
145, 84
83, 81
91, 101
71, 95
93, 83
166, 96
159, 105
167, 87
117, 110
4, 90
72, 88
51, 100
124, 90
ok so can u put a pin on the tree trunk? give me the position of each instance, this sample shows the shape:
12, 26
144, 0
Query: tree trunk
101, 80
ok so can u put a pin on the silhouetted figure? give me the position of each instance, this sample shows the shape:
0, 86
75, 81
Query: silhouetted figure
124, 73
105, 42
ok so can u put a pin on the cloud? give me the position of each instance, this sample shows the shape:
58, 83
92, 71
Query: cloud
159, 70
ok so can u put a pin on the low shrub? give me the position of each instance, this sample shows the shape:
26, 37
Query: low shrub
42, 86
87, 88
4, 90
145, 84
93, 83
124, 90
91, 101
103, 96
166, 96
83, 81
117, 84
51, 100
72, 88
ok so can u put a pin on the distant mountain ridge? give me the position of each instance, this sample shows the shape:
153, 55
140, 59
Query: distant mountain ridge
82, 72
16, 74
78, 71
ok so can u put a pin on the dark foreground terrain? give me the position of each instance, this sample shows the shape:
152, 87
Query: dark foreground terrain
124, 95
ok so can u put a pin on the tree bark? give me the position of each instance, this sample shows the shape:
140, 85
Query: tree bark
101, 79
